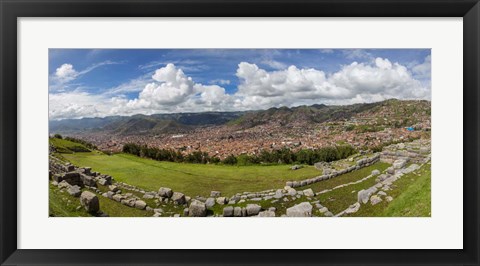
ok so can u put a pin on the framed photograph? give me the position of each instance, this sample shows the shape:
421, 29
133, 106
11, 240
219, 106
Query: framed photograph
266, 132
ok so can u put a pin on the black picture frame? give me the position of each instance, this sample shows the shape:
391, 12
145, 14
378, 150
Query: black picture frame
10, 10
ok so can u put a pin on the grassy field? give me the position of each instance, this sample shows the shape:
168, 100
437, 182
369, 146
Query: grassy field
192, 179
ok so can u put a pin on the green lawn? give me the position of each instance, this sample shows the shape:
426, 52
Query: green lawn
191, 179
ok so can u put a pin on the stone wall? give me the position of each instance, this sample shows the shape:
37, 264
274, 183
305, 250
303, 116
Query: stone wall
358, 165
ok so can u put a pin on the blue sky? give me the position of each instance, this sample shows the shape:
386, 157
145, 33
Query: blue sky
102, 82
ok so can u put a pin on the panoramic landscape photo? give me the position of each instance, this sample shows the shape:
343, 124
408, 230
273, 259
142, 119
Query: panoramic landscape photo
239, 133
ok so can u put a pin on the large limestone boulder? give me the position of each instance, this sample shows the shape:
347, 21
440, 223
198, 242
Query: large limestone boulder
253, 209
222, 200
237, 212
308, 193
140, 204
178, 198
303, 209
90, 202
73, 178
266, 214
228, 211
74, 191
165, 192
353, 208
210, 202
292, 192
88, 180
375, 199
364, 195
400, 163
197, 209
117, 197
391, 170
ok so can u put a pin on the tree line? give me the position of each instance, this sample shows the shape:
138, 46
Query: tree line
281, 156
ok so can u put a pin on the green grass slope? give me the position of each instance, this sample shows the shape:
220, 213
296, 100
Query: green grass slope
66, 146
192, 179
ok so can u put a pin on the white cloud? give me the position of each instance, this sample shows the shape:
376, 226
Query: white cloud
75, 105
171, 90
423, 70
133, 85
274, 64
354, 54
174, 91
66, 72
353, 83
220, 81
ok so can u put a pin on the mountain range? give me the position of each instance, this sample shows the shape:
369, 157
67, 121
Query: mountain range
388, 112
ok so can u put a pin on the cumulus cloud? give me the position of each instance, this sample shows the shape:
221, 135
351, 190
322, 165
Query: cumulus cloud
66, 72
174, 91
171, 90
423, 70
352, 83
76, 105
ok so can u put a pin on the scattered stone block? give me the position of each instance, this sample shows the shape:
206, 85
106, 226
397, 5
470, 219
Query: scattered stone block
140, 204
381, 193
353, 208
308, 193
266, 214
221, 200
303, 209
90, 202
165, 192
237, 212
391, 170
178, 198
197, 209
374, 200
74, 191
400, 163
210, 202
253, 209
117, 197
228, 211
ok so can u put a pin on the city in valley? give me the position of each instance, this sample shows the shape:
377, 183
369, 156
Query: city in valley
281, 141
